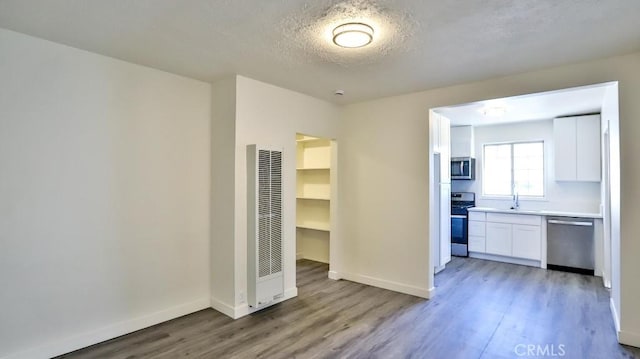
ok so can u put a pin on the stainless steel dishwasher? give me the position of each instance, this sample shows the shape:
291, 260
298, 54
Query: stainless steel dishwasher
570, 244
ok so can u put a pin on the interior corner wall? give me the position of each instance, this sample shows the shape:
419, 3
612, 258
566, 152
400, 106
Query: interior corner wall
625, 190
384, 178
270, 115
104, 197
223, 137
610, 113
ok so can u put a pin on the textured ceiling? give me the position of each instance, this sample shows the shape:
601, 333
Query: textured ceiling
420, 44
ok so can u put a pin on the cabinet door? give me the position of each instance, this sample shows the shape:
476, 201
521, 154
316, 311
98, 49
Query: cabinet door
462, 141
476, 228
477, 244
434, 123
445, 150
588, 148
526, 241
564, 143
498, 239
477, 216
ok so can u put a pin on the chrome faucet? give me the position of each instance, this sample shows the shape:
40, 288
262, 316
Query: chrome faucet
516, 202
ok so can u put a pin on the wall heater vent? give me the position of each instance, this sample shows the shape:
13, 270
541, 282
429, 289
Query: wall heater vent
264, 221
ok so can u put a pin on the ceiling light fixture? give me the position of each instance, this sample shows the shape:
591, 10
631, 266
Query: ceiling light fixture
494, 111
353, 35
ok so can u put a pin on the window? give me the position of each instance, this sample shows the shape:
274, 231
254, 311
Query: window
511, 168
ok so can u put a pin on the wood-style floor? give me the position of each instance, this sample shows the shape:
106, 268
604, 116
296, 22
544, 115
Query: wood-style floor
482, 309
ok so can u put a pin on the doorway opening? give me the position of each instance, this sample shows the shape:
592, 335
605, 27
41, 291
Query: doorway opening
505, 124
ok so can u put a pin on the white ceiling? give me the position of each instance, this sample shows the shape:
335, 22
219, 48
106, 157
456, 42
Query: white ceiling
538, 106
420, 44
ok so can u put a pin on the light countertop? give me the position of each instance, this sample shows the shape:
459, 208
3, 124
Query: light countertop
536, 212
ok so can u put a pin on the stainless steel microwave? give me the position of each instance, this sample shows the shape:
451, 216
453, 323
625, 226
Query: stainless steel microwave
463, 168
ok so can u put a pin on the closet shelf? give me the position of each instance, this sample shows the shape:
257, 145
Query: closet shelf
312, 139
314, 198
315, 227
312, 168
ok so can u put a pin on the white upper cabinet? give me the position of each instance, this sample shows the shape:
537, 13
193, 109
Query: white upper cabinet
564, 143
588, 149
440, 143
445, 150
576, 143
462, 141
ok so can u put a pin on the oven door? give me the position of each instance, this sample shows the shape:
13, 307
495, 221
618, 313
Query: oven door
459, 239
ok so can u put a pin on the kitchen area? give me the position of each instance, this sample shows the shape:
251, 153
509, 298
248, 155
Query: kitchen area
524, 180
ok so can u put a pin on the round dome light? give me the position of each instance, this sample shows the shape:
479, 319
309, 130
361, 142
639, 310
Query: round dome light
353, 35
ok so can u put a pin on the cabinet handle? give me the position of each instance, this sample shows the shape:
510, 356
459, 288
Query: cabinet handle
570, 223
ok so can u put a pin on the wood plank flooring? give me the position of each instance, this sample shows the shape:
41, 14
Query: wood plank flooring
482, 309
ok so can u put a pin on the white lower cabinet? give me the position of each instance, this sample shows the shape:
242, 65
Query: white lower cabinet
477, 244
526, 241
477, 233
506, 235
499, 238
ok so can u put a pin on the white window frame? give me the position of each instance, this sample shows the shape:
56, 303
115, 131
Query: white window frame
521, 196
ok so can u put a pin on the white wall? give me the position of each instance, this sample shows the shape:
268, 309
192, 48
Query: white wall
560, 196
610, 112
104, 197
384, 178
384, 184
269, 115
223, 186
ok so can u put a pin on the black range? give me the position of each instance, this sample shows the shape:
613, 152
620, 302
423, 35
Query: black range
460, 203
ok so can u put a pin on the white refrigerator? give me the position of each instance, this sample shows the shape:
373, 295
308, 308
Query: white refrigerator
442, 219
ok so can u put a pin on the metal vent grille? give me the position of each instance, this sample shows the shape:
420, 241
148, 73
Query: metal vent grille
269, 212
264, 256
276, 211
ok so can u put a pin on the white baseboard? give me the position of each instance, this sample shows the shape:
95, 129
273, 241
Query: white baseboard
223, 307
629, 338
299, 256
334, 275
229, 310
614, 312
431, 290
244, 309
387, 284
111, 331
241, 310
624, 337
